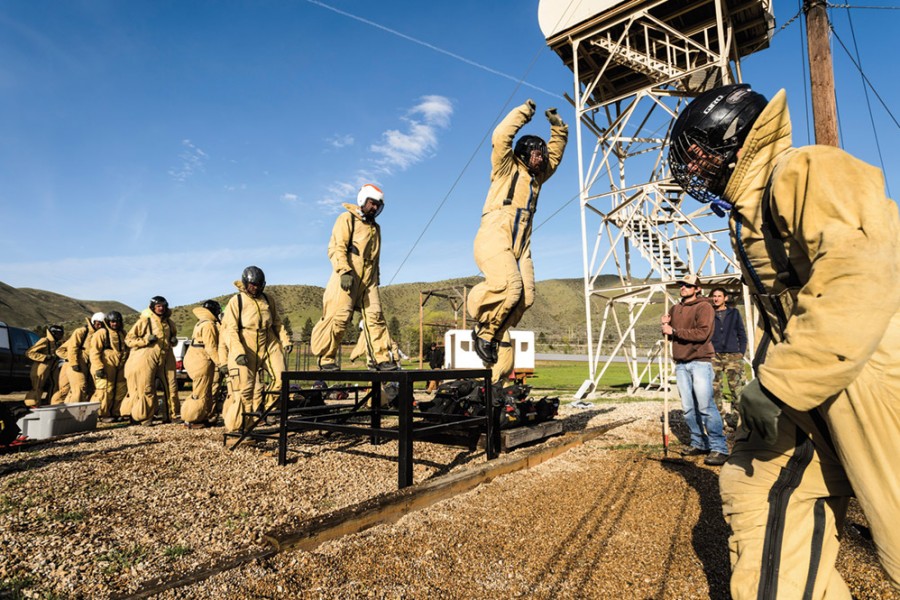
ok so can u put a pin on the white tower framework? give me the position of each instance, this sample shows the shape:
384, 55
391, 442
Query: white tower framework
635, 63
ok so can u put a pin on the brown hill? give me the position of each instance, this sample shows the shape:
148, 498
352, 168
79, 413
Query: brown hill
34, 309
557, 317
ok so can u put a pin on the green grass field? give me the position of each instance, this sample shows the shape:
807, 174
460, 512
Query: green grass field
567, 376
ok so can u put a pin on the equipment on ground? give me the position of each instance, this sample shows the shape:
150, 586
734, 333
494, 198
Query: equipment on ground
465, 398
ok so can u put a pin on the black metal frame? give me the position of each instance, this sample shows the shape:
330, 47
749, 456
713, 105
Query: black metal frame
412, 425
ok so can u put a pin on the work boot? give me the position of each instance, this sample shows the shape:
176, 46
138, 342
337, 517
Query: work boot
486, 351
716, 459
387, 366
694, 451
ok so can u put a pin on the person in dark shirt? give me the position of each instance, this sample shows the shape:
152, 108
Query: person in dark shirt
730, 342
689, 325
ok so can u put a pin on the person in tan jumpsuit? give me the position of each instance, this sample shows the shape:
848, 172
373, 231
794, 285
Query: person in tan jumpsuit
354, 251
816, 237
75, 382
43, 367
503, 242
108, 353
151, 340
257, 341
203, 363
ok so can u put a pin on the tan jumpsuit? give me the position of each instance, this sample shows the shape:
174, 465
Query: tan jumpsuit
503, 242
149, 362
254, 329
355, 247
43, 368
201, 362
109, 352
835, 365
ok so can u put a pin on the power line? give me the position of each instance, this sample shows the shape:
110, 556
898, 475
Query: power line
827, 5
868, 103
866, 79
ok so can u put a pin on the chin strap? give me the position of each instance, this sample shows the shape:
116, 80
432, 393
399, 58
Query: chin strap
721, 207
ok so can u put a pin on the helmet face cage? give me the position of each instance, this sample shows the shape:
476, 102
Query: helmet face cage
255, 276
526, 145
701, 171
707, 135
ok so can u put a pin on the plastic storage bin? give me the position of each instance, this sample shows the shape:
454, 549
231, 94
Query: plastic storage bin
59, 419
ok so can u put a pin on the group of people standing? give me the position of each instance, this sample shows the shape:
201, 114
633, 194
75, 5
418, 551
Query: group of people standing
102, 363
242, 347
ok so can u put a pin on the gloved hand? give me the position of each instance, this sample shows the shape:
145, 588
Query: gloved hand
76, 368
347, 281
100, 374
223, 370
241, 360
531, 106
173, 340
288, 348
760, 411
554, 118
152, 339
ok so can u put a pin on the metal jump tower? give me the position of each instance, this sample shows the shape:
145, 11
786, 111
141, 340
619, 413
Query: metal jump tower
635, 63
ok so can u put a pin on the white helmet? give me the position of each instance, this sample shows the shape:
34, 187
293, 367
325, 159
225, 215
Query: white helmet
370, 191
98, 317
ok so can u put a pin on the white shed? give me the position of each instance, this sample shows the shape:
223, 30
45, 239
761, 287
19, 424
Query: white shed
459, 352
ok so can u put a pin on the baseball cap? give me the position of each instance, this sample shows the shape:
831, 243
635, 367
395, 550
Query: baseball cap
690, 280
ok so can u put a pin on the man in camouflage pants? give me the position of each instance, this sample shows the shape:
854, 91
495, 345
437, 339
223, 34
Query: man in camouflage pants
730, 342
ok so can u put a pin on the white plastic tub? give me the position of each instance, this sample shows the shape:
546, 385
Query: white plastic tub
59, 419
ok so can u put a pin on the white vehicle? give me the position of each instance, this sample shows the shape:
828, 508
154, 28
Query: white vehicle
180, 350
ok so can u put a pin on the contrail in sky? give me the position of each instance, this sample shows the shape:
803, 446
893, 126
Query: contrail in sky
432, 47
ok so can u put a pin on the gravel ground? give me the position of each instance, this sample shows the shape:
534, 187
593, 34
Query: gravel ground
102, 514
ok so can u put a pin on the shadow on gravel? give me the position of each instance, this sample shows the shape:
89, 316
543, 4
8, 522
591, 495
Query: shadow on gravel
578, 421
709, 537
42, 461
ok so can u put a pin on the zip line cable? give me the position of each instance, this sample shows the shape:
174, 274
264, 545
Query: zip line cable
464, 169
868, 103
519, 84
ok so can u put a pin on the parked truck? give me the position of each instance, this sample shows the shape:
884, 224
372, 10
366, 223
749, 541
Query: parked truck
15, 368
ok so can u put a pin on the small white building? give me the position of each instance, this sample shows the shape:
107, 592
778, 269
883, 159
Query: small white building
459, 351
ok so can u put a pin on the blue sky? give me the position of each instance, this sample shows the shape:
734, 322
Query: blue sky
159, 147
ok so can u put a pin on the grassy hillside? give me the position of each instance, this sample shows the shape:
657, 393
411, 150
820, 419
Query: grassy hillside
34, 309
557, 317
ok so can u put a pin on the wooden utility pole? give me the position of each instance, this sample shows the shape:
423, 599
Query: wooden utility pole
821, 73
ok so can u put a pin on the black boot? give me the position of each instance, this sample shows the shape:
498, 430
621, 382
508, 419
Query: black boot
486, 351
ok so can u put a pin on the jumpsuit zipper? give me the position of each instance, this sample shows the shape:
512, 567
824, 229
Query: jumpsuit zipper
779, 496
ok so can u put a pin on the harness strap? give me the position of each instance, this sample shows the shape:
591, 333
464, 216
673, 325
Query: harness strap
512, 189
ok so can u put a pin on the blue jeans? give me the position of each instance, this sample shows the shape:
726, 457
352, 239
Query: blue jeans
700, 413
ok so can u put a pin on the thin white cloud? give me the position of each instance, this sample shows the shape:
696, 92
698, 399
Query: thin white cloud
193, 160
289, 198
399, 150
340, 140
